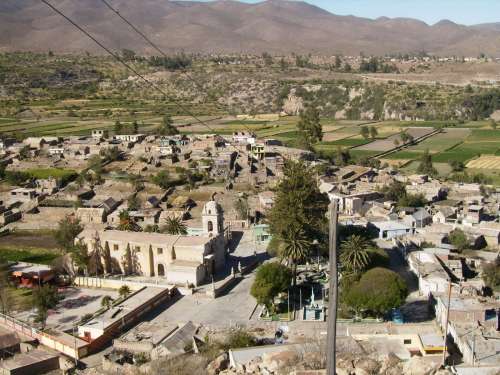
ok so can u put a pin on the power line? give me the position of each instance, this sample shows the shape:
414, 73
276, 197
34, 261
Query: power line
155, 46
159, 50
128, 66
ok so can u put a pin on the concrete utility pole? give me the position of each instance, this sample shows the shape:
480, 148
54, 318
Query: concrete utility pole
445, 345
333, 293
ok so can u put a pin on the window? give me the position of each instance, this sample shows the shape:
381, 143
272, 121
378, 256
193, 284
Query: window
160, 250
407, 341
115, 247
161, 270
137, 248
210, 226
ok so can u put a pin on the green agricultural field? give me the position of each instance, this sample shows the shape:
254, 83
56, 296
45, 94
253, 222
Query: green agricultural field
7, 120
403, 155
32, 255
454, 154
363, 153
346, 142
484, 135
51, 172
443, 168
446, 140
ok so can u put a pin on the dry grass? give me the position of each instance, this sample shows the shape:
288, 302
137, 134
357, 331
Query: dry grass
485, 162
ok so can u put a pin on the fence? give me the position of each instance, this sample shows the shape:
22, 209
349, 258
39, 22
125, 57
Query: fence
66, 344
116, 283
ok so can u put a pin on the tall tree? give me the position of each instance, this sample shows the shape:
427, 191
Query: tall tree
299, 203
66, 232
242, 208
80, 256
167, 127
309, 127
118, 128
365, 132
5, 295
295, 247
135, 127
354, 254
44, 298
426, 166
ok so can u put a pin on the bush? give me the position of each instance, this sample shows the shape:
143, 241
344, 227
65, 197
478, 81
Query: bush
378, 291
239, 339
491, 275
458, 239
271, 280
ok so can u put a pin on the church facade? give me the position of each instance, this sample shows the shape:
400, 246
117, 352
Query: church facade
179, 259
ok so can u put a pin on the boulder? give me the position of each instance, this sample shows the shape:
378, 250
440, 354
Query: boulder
218, 364
366, 365
419, 366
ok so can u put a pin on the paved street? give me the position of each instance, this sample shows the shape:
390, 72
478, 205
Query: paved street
236, 306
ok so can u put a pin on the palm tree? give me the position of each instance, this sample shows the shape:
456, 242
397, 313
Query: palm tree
124, 291
294, 248
174, 225
106, 301
354, 253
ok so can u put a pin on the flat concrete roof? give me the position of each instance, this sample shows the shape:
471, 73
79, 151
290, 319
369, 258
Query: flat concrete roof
390, 225
29, 268
26, 359
116, 313
150, 332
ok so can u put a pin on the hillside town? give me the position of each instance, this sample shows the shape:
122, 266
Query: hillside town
166, 238
250, 187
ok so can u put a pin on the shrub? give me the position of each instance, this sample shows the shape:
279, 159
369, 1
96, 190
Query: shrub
271, 280
378, 291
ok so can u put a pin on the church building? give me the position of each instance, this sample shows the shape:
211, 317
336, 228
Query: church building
179, 259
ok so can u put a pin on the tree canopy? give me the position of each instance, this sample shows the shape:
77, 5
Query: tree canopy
162, 179
44, 298
309, 127
298, 203
459, 239
426, 166
167, 127
378, 291
66, 232
271, 279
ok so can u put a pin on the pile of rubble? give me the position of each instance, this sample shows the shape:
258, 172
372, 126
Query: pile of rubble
290, 363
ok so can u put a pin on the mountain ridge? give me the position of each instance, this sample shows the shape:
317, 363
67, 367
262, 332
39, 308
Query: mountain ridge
227, 26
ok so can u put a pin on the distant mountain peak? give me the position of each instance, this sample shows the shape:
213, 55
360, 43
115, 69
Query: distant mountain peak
230, 26
445, 22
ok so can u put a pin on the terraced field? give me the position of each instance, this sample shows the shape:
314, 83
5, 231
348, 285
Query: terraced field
441, 142
485, 162
387, 144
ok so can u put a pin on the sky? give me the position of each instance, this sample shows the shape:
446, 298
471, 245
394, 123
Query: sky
467, 12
